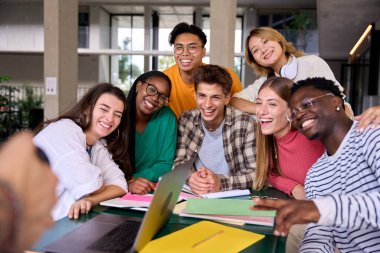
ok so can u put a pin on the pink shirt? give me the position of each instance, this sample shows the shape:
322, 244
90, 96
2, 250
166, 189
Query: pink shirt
296, 155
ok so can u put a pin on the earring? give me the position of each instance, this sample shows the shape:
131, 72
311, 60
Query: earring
290, 125
337, 109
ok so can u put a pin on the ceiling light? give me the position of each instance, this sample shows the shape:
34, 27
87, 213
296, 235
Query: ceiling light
359, 42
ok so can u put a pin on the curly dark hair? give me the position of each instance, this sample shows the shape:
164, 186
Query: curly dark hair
320, 83
187, 28
131, 112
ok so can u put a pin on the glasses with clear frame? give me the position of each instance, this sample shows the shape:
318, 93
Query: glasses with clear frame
305, 105
151, 90
191, 48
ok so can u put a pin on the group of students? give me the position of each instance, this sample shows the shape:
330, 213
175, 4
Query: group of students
302, 140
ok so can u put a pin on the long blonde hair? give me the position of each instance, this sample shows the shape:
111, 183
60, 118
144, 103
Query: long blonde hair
266, 147
269, 34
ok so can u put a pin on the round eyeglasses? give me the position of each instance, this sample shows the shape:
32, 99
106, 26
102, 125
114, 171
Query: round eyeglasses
151, 90
191, 48
305, 105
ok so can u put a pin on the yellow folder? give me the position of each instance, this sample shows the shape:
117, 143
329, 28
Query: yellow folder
204, 236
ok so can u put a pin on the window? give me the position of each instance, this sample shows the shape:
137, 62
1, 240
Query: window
128, 35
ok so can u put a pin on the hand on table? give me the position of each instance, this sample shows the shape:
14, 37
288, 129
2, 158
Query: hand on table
204, 181
82, 206
289, 212
140, 186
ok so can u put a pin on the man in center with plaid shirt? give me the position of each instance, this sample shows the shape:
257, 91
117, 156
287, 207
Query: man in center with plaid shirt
219, 138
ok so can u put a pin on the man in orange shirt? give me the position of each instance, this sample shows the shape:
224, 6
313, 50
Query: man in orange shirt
188, 41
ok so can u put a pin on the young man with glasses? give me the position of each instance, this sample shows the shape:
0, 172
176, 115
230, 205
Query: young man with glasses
188, 43
220, 139
343, 186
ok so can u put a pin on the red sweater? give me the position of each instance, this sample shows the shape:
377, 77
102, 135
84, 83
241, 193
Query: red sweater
296, 155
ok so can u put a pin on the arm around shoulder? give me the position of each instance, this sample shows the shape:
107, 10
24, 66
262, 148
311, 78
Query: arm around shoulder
243, 105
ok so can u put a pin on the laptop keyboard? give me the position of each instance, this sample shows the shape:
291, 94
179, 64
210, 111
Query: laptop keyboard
119, 239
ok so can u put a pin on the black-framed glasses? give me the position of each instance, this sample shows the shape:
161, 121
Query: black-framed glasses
305, 105
151, 90
191, 48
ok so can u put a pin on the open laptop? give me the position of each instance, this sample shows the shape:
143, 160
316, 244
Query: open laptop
120, 233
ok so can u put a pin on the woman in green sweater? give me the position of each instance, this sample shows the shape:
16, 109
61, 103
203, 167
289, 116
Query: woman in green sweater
152, 131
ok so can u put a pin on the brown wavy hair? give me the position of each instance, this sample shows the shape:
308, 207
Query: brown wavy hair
269, 34
117, 141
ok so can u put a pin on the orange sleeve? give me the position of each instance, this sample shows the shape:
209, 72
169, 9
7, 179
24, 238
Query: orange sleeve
236, 84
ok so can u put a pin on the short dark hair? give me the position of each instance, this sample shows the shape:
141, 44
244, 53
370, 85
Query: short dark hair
320, 83
187, 28
213, 74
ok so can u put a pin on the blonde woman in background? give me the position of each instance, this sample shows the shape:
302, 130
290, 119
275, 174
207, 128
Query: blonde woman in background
269, 54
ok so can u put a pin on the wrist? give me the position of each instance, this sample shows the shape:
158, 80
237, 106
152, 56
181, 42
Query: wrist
91, 199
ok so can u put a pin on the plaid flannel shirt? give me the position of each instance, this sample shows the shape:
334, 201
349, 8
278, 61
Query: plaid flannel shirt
239, 144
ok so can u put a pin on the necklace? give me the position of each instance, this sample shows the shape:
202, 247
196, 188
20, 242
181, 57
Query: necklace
210, 129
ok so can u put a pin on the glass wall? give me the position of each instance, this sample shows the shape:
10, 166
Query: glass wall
166, 25
128, 34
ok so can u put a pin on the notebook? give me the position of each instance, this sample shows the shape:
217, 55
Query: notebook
119, 233
204, 236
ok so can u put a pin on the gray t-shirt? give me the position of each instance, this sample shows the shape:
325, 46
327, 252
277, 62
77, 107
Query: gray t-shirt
211, 153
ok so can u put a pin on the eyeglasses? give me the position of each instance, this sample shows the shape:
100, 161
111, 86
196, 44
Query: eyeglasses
192, 49
151, 90
305, 105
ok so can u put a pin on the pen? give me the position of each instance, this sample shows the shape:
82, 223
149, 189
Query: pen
208, 238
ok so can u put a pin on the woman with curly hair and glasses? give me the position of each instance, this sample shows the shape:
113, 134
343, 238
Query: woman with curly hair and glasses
152, 129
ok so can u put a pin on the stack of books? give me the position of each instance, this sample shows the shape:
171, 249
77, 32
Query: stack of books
235, 211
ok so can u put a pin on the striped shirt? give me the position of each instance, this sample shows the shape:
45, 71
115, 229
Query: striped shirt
346, 187
239, 145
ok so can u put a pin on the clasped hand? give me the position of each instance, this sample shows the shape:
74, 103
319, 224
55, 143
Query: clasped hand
204, 181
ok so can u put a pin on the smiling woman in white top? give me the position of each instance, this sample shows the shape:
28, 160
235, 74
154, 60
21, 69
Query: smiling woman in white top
86, 146
269, 54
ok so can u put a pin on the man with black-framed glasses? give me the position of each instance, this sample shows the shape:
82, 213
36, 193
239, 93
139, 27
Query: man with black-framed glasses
188, 43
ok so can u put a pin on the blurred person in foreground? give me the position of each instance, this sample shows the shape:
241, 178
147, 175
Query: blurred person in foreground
27, 193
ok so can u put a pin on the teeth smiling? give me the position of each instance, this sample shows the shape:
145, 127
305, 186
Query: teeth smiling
150, 105
105, 125
267, 55
185, 61
266, 120
307, 122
